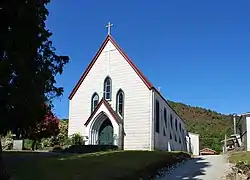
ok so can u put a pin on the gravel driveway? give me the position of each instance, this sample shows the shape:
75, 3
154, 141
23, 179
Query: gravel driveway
200, 168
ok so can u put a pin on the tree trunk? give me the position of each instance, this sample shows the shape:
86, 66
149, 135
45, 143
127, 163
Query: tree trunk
3, 170
33, 146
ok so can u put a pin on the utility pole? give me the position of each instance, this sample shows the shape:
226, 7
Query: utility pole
234, 118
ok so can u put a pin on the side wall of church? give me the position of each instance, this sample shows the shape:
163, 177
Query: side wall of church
248, 133
168, 136
137, 103
241, 130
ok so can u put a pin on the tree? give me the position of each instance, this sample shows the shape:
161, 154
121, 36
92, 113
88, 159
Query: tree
47, 128
28, 66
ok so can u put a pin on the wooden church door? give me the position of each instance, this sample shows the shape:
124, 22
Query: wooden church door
106, 133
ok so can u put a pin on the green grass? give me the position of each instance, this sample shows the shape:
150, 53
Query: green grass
240, 156
101, 165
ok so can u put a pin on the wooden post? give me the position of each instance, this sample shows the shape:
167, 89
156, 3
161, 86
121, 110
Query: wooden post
225, 144
234, 120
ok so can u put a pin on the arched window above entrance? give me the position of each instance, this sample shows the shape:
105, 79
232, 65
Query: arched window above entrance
107, 88
120, 103
94, 101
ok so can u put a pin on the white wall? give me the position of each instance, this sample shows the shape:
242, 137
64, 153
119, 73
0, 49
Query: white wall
137, 110
243, 125
248, 133
195, 143
165, 142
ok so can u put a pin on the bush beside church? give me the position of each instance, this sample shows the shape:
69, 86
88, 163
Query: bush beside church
73, 144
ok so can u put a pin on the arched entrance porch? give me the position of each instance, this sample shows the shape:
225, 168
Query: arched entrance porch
102, 131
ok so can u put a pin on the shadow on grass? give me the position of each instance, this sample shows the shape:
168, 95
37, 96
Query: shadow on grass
190, 170
108, 165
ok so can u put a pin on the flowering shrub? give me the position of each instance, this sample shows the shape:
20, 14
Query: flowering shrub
45, 129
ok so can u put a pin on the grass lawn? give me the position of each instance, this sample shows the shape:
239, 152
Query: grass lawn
240, 156
102, 165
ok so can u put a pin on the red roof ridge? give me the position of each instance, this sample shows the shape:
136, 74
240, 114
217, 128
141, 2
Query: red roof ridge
144, 79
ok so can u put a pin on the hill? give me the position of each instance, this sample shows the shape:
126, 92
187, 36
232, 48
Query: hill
211, 126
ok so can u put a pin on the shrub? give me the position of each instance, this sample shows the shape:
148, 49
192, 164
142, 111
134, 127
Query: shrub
63, 138
46, 142
54, 141
77, 139
27, 143
7, 142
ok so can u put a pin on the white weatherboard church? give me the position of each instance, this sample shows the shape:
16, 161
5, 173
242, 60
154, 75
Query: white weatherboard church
113, 103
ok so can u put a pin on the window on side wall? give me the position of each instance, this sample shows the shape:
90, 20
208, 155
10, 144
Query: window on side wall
120, 103
171, 120
175, 124
165, 117
157, 117
179, 140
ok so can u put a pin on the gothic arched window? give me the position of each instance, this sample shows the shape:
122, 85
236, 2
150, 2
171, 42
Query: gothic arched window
157, 116
107, 88
94, 101
171, 120
165, 117
120, 103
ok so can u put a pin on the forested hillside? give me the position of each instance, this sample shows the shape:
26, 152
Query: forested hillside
211, 126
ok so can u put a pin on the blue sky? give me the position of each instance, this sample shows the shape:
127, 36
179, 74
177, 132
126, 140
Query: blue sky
198, 52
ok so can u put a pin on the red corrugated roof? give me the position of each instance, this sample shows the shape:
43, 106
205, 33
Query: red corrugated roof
208, 149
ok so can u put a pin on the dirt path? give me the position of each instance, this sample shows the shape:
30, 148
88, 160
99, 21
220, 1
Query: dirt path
200, 168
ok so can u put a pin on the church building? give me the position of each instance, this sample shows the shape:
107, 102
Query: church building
114, 103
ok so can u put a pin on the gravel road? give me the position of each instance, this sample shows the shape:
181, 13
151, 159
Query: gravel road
200, 168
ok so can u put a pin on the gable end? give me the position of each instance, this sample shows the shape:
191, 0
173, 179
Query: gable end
109, 38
